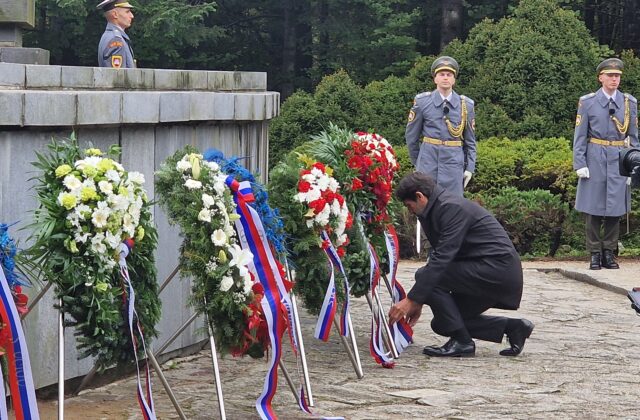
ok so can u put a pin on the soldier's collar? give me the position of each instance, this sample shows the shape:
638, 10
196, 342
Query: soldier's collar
603, 99
454, 99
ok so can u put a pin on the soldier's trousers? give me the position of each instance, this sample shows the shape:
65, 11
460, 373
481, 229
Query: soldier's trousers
602, 232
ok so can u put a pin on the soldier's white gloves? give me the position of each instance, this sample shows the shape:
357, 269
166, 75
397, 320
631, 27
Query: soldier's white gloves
629, 180
583, 172
467, 177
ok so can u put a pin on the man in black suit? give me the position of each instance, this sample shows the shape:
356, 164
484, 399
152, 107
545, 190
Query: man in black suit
473, 267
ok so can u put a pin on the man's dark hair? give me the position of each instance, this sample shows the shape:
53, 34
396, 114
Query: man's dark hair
415, 182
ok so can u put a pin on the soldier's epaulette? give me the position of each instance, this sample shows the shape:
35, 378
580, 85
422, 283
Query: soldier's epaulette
467, 99
631, 98
422, 95
587, 96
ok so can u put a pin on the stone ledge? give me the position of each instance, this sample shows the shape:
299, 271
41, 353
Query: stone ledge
36, 77
87, 107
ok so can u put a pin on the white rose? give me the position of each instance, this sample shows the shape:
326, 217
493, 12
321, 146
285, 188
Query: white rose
226, 283
192, 184
219, 238
136, 177
208, 200
204, 215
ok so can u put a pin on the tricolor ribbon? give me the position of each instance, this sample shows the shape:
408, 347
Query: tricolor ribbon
20, 377
329, 305
276, 299
376, 342
145, 399
401, 330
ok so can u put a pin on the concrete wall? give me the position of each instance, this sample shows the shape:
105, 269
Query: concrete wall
159, 112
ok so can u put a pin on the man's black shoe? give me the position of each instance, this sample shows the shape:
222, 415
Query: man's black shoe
452, 348
609, 259
595, 261
517, 336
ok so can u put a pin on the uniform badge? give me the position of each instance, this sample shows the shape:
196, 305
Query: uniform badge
115, 44
412, 115
116, 61
578, 119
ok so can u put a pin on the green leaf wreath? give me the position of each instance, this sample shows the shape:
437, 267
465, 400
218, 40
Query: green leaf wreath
88, 205
194, 194
304, 218
365, 166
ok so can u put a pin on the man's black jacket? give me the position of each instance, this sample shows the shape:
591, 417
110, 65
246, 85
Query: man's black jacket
471, 247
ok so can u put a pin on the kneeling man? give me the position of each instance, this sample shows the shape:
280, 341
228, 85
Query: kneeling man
473, 267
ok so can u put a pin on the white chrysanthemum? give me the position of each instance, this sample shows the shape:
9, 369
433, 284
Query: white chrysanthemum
219, 238
309, 178
136, 177
301, 197
72, 183
335, 207
226, 283
81, 237
316, 172
112, 240
208, 200
204, 215
118, 202
333, 185
213, 166
183, 165
219, 185
100, 218
192, 184
74, 219
313, 194
248, 284
112, 176
323, 182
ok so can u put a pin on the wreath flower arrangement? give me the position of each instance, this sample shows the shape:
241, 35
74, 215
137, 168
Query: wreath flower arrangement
309, 199
89, 205
195, 196
366, 165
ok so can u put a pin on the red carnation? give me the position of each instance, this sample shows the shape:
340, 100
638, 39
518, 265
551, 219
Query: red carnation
304, 186
319, 165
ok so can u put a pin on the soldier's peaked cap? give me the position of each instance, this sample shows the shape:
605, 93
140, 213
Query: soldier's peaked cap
444, 63
610, 65
107, 5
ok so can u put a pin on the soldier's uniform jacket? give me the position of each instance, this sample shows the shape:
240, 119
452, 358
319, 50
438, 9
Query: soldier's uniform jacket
427, 126
599, 135
114, 49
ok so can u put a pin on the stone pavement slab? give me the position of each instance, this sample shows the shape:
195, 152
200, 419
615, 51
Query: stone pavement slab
581, 362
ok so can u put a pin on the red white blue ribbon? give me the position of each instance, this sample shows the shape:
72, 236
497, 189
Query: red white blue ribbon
376, 342
329, 305
145, 401
20, 377
401, 331
276, 299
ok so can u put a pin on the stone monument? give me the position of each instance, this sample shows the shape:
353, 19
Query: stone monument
16, 15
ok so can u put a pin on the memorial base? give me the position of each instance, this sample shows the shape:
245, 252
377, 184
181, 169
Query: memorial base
22, 55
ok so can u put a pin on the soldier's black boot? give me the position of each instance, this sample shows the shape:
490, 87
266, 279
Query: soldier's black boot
608, 259
595, 261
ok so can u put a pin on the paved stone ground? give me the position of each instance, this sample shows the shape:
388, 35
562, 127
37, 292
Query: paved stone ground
581, 362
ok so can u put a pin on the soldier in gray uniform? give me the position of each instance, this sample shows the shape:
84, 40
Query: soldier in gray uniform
607, 121
114, 49
440, 133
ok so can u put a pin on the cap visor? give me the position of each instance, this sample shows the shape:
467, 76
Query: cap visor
611, 71
451, 69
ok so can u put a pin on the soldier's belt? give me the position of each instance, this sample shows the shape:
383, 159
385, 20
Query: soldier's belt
606, 142
452, 143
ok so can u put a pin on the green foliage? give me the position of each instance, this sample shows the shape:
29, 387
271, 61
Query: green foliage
533, 219
195, 197
85, 270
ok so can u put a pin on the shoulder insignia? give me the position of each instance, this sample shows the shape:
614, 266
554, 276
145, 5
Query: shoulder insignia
412, 116
422, 95
631, 98
578, 119
466, 98
116, 61
115, 44
587, 96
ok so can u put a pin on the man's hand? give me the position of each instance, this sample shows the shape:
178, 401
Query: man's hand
406, 309
467, 177
583, 172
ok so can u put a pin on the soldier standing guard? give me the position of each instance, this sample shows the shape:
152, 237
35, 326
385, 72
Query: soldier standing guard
115, 49
440, 133
607, 121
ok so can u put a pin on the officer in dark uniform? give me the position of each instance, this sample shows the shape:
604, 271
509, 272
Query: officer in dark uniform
115, 49
473, 267
440, 133
606, 122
